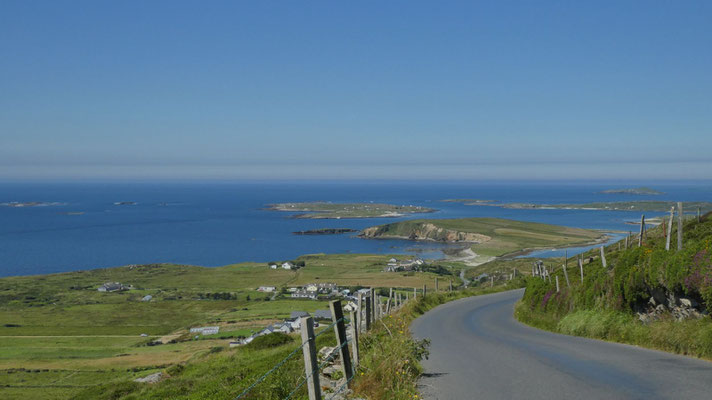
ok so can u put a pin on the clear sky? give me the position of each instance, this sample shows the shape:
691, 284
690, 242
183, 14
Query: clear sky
383, 89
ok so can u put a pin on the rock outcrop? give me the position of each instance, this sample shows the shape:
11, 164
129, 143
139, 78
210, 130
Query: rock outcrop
661, 303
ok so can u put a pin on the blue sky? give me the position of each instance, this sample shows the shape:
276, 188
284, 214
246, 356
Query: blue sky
397, 89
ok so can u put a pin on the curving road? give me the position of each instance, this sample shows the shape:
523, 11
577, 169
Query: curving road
478, 351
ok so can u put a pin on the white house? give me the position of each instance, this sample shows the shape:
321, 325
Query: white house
288, 265
112, 287
206, 330
273, 266
266, 289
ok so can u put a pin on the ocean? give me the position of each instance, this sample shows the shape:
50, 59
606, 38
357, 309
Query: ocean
219, 223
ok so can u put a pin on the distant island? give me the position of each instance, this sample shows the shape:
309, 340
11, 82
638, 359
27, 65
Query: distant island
637, 191
326, 231
640, 205
19, 204
125, 203
324, 210
469, 202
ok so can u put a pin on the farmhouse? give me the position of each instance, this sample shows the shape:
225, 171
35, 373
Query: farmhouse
266, 289
288, 265
112, 287
206, 330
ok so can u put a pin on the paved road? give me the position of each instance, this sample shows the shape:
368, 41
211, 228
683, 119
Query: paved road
479, 351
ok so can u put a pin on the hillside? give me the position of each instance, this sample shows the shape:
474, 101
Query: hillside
486, 236
646, 295
60, 336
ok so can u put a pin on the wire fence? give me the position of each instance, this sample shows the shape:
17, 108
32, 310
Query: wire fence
292, 354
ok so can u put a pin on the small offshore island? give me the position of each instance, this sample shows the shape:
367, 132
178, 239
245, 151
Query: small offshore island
326, 231
639, 205
324, 210
18, 204
638, 191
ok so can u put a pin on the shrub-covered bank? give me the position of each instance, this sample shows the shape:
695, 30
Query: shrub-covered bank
646, 295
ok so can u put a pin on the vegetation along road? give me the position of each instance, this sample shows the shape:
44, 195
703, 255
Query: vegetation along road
479, 351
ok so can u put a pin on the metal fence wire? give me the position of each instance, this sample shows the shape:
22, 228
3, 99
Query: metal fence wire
290, 355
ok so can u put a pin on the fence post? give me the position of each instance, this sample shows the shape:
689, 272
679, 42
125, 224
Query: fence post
642, 229
373, 306
436, 284
451, 285
603, 257
699, 216
354, 338
391, 301
311, 368
359, 315
492, 280
368, 313
415, 293
580, 263
337, 315
557, 283
679, 225
425, 291
566, 264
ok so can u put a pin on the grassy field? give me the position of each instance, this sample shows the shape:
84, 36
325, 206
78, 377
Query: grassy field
322, 210
497, 237
59, 335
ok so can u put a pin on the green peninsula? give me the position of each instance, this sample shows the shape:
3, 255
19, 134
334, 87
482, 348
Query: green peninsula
486, 237
328, 210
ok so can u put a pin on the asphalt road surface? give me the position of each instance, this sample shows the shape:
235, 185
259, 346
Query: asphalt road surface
478, 351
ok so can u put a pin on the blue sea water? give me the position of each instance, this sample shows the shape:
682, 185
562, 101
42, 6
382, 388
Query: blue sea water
220, 223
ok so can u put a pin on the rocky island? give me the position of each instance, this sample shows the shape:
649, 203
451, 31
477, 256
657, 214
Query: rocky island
640, 205
637, 191
19, 204
327, 210
325, 231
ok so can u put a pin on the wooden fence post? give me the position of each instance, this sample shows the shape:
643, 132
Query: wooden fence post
580, 263
679, 225
566, 264
642, 229
337, 315
359, 315
311, 367
669, 236
354, 338
388, 303
626, 241
603, 257
368, 314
